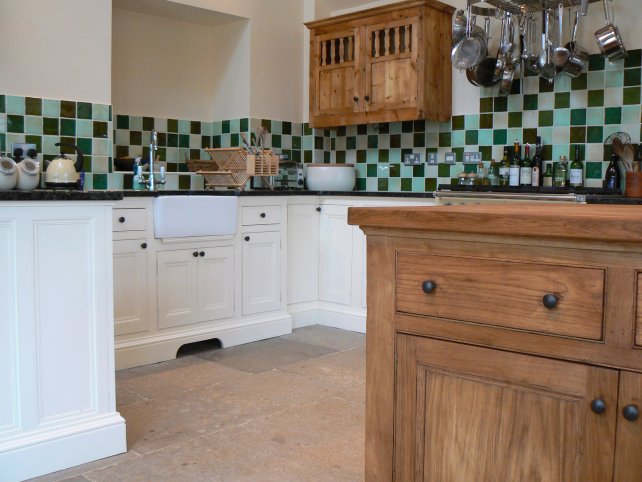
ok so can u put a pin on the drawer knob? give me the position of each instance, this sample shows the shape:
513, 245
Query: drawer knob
121, 219
195, 254
262, 215
428, 286
144, 245
247, 238
631, 413
598, 406
319, 209
355, 98
367, 98
201, 254
550, 300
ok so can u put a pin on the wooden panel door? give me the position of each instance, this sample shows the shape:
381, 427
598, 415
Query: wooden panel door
465, 413
392, 72
177, 287
628, 462
216, 283
131, 284
335, 76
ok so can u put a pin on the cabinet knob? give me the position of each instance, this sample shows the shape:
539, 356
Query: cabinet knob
262, 215
195, 254
247, 238
144, 245
598, 406
366, 98
631, 413
355, 98
550, 300
319, 209
201, 254
428, 286
121, 219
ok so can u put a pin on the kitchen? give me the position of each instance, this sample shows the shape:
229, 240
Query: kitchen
259, 46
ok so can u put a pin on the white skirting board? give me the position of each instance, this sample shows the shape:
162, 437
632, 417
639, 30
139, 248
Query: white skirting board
76, 444
346, 320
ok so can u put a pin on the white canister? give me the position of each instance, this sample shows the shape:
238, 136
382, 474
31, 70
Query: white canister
28, 174
8, 174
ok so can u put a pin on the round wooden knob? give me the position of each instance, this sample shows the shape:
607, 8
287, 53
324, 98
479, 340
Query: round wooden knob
428, 286
550, 300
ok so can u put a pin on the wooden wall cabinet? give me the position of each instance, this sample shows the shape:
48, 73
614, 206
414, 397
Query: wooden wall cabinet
483, 362
383, 64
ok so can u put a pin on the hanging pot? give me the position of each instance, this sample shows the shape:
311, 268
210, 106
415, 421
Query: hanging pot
608, 38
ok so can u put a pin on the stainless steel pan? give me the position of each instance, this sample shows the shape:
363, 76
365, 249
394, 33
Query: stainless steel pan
608, 38
578, 60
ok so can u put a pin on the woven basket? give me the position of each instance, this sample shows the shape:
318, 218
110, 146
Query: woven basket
214, 179
233, 166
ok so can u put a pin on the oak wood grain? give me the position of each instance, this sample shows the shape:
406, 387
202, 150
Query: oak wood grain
628, 462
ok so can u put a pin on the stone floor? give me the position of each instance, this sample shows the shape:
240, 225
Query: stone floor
284, 409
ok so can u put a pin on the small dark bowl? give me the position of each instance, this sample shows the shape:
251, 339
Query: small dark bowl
127, 164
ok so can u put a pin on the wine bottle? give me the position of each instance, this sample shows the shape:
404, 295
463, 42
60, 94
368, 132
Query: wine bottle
504, 169
612, 175
526, 170
577, 171
536, 164
547, 178
559, 178
493, 173
515, 166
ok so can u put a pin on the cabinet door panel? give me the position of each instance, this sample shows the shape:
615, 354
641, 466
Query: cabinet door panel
130, 287
261, 272
335, 255
303, 253
628, 462
467, 413
216, 284
177, 288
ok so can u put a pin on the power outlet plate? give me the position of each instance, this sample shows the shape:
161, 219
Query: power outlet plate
412, 159
21, 145
432, 158
450, 158
472, 157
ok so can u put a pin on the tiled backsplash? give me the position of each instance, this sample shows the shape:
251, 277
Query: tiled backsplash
582, 111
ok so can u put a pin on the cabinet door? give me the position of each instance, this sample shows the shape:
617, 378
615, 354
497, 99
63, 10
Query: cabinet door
261, 272
303, 253
131, 285
465, 413
335, 76
628, 463
177, 287
216, 283
335, 255
392, 75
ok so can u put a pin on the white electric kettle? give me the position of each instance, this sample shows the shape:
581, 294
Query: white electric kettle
62, 172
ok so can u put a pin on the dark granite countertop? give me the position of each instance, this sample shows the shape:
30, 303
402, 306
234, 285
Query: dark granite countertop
60, 195
278, 192
616, 199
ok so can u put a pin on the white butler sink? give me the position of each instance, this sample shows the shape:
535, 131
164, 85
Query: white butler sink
183, 216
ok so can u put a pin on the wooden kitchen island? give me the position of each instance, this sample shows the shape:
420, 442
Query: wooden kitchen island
504, 343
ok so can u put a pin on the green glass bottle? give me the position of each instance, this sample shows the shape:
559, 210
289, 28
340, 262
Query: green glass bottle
576, 176
504, 169
515, 166
547, 178
526, 168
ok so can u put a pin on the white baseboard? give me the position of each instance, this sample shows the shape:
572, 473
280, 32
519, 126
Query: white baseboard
39, 453
337, 318
163, 347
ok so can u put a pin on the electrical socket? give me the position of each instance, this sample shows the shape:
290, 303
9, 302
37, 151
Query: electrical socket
432, 158
450, 158
412, 159
472, 157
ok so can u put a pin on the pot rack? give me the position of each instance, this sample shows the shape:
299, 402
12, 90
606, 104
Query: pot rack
520, 7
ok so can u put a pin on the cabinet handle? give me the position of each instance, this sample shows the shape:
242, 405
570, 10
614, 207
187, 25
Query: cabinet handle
121, 219
262, 215
355, 98
144, 245
195, 254
319, 209
631, 412
550, 300
428, 286
598, 406
201, 254
247, 238
366, 98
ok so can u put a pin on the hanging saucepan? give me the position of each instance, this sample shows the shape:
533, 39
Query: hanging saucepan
459, 27
608, 38
472, 49
579, 57
506, 82
483, 74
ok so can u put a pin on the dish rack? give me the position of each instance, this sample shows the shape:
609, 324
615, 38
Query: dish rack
233, 166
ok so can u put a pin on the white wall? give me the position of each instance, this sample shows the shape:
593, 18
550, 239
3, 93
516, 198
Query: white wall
56, 49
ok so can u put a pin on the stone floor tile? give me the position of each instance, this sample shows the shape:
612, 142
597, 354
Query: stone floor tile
127, 397
327, 336
73, 472
267, 354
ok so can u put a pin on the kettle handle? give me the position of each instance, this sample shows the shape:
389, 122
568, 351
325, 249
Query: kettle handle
80, 159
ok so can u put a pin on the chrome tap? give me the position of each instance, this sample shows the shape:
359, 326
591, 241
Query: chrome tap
151, 182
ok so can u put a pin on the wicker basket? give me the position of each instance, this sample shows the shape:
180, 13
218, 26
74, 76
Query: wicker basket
214, 179
233, 166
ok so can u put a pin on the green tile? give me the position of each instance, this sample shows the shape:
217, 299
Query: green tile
418, 171
195, 127
100, 129
614, 79
99, 181
68, 127
444, 139
633, 58
546, 86
68, 109
486, 104
85, 110
122, 122
632, 77
499, 137
37, 140
50, 126
593, 170
545, 118
244, 125
407, 127
361, 156
340, 157
419, 139
595, 116
296, 143
373, 142
276, 140
562, 100
33, 106
267, 123
33, 125
579, 83
384, 155
561, 117
631, 95
84, 144
596, 98
443, 170
578, 135
382, 185
596, 62
101, 112
472, 137
15, 123
371, 170
15, 104
172, 126
184, 181
500, 104
430, 184
3, 142
529, 136
50, 108
458, 122
3, 107
486, 121
514, 119
578, 117
225, 127
458, 138
406, 184
395, 170
148, 123
594, 134
613, 115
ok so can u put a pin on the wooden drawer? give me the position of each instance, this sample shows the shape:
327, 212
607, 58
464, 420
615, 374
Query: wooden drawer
503, 293
253, 215
129, 219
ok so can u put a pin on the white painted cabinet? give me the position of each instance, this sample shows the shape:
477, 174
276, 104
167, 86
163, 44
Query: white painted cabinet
261, 272
195, 285
303, 253
335, 255
131, 286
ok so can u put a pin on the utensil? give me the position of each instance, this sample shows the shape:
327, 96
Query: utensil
471, 50
608, 38
459, 27
546, 66
506, 82
628, 155
529, 59
483, 74
560, 54
579, 56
